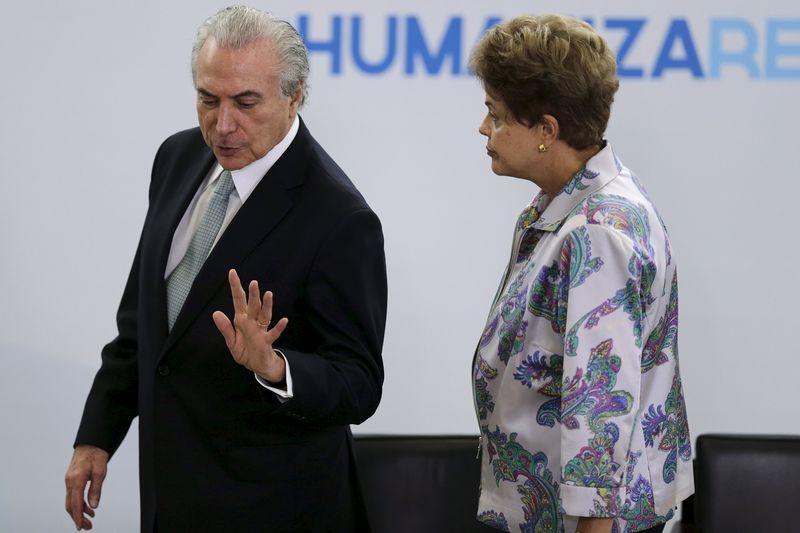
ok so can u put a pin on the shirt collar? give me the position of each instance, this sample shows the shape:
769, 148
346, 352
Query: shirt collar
246, 178
547, 215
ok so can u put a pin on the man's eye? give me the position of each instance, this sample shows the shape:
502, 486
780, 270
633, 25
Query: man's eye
208, 102
247, 105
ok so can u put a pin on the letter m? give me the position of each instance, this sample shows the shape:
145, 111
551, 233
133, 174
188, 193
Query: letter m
417, 47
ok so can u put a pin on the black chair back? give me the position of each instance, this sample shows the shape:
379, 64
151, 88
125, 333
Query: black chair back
746, 483
420, 483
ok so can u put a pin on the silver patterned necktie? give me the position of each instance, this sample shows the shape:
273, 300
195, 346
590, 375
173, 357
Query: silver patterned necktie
181, 279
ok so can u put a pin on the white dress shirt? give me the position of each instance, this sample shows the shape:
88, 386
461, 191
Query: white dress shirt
245, 181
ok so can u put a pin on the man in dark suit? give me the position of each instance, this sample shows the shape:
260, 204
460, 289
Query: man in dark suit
243, 423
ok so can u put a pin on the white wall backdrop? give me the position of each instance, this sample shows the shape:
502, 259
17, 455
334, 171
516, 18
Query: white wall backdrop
707, 115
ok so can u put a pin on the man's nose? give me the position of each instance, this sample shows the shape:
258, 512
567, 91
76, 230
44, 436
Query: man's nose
226, 119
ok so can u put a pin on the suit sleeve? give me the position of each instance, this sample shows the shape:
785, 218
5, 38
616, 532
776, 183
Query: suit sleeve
113, 402
346, 300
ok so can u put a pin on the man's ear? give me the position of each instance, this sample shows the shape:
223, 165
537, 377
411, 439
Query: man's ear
297, 97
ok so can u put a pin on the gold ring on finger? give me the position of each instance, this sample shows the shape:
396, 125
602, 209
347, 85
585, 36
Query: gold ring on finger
266, 326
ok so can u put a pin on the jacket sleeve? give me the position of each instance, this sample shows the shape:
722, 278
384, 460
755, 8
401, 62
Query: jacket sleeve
112, 403
346, 298
602, 285
113, 399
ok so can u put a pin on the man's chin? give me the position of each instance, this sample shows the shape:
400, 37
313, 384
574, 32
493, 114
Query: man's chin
231, 159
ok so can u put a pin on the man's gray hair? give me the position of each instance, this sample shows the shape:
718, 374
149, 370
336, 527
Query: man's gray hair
238, 26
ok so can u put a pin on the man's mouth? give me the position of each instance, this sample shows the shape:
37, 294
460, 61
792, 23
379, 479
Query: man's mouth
227, 150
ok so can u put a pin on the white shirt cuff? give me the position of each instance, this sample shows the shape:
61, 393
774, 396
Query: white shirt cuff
283, 395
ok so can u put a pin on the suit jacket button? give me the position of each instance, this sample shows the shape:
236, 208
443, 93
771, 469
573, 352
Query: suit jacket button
163, 370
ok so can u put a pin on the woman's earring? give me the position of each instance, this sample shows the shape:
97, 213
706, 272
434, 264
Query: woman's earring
542, 148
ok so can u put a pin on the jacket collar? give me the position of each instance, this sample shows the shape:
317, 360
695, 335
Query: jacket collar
596, 174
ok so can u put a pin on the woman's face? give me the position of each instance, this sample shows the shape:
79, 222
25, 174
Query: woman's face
511, 145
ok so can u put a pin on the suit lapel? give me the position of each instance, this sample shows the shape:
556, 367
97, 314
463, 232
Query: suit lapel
170, 207
269, 203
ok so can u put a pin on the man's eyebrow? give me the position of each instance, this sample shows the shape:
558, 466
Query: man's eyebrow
243, 94
247, 94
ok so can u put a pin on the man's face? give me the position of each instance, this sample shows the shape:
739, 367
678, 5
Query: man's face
241, 110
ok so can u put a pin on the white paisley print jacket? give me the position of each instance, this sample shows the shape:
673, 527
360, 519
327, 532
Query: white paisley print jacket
575, 377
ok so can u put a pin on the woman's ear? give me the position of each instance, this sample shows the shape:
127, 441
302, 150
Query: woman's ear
549, 125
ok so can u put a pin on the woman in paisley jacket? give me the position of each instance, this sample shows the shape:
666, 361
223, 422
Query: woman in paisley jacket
577, 390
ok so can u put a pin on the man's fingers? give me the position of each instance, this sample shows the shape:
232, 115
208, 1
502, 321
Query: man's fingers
225, 327
265, 315
274, 333
96, 487
237, 293
86, 523
89, 465
75, 480
253, 299
76, 504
